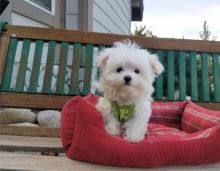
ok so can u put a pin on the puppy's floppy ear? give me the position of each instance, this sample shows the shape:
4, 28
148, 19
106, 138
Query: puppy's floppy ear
156, 65
103, 57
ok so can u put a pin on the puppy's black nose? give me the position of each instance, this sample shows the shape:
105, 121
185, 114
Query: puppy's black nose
127, 79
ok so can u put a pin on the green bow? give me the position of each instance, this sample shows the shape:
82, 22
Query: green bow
124, 112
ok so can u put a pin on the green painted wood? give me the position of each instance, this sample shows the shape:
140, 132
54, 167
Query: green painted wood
74, 82
23, 66
9, 64
62, 68
159, 80
88, 69
170, 75
100, 48
182, 76
193, 77
49, 68
205, 80
36, 67
216, 76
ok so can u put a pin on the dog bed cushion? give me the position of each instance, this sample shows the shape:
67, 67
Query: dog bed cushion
197, 118
168, 114
84, 138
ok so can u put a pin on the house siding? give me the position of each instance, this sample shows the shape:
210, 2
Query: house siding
111, 16
72, 14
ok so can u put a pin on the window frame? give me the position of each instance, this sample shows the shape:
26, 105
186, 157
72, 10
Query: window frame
53, 6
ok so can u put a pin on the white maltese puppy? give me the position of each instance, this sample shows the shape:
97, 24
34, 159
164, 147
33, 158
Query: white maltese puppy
127, 75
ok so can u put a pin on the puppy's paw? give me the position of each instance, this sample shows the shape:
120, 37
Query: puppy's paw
113, 128
134, 136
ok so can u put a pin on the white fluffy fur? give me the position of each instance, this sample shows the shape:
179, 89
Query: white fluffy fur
129, 57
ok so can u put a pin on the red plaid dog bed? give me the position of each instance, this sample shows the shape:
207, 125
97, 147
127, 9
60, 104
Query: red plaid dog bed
84, 137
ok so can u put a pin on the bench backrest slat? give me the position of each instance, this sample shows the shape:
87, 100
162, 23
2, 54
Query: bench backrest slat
36, 66
182, 75
159, 80
216, 76
9, 64
170, 75
74, 83
49, 67
205, 80
88, 69
62, 68
20, 81
193, 76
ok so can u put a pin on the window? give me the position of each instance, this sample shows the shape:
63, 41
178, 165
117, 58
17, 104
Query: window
46, 5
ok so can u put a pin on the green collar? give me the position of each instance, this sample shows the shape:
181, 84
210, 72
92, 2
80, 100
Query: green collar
122, 113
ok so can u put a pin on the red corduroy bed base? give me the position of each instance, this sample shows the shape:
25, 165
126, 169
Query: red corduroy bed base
84, 137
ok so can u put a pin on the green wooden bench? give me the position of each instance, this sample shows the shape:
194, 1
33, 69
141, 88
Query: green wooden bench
29, 56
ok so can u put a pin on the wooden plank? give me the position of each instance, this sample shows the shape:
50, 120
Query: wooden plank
216, 76
62, 68
49, 67
30, 131
36, 101
74, 82
20, 81
9, 64
159, 80
205, 78
193, 77
100, 48
36, 66
51, 163
88, 69
30, 144
182, 76
211, 106
170, 75
108, 39
4, 42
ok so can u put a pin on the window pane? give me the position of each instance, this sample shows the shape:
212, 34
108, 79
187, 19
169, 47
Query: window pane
46, 4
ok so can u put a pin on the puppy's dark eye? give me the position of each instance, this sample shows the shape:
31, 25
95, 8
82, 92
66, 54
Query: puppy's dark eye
137, 71
119, 69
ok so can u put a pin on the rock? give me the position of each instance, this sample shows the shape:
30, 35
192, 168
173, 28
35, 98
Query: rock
49, 118
13, 115
24, 124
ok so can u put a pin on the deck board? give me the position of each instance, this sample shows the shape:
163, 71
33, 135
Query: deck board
30, 144
50, 163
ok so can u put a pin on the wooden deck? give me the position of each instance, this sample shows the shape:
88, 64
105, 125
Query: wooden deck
23, 153
21, 162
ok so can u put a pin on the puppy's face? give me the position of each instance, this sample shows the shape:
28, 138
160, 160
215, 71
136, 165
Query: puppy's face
127, 72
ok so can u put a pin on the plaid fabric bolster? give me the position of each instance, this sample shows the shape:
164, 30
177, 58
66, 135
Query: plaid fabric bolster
196, 118
168, 114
